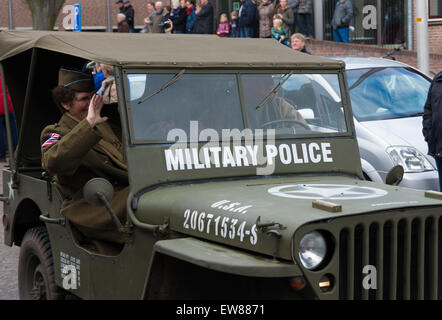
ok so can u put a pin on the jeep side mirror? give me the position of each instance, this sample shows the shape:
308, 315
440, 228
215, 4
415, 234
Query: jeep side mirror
395, 175
98, 192
95, 189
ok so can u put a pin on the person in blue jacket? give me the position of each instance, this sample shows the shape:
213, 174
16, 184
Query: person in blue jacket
247, 18
191, 15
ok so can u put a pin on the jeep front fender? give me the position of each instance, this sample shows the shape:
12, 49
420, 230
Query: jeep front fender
224, 259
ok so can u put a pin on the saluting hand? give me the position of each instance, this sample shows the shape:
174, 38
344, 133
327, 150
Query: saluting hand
93, 114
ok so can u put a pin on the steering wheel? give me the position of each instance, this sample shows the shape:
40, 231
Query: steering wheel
302, 124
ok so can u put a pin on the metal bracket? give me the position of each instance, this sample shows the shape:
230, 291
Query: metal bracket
271, 229
45, 218
120, 227
268, 226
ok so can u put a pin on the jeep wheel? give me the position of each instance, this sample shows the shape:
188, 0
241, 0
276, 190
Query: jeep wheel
36, 279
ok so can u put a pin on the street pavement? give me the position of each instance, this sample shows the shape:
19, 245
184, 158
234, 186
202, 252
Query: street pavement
8, 262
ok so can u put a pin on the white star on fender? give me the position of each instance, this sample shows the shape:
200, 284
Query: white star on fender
326, 191
11, 190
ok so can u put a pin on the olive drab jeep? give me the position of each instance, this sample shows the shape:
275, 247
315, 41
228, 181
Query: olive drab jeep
245, 178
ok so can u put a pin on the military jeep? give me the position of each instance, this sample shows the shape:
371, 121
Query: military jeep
244, 172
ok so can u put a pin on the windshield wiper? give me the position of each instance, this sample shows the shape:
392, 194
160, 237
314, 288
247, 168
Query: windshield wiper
166, 85
274, 91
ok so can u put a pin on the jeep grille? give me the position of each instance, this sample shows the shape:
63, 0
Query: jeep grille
406, 251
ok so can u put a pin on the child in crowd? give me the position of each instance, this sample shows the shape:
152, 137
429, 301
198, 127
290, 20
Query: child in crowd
279, 32
224, 26
234, 32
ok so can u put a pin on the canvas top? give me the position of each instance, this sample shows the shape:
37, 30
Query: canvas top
163, 50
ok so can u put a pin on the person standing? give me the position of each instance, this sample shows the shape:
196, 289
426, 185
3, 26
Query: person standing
298, 43
127, 9
223, 30
3, 135
247, 18
285, 13
179, 16
341, 20
123, 26
157, 17
234, 31
204, 18
432, 123
305, 10
165, 24
265, 11
294, 5
191, 16
148, 20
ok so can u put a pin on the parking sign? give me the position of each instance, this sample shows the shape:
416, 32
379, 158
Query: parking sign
77, 17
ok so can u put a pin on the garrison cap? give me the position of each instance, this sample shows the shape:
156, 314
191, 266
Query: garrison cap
75, 80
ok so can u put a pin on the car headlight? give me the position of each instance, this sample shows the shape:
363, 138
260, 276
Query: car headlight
409, 158
312, 250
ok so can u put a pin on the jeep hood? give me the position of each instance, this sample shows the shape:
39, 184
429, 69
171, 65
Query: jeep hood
228, 211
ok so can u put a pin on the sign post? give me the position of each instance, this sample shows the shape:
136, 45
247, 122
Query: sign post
77, 17
423, 56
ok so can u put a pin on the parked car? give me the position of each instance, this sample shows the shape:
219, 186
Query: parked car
388, 99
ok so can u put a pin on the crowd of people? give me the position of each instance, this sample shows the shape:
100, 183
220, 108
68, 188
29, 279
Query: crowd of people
278, 19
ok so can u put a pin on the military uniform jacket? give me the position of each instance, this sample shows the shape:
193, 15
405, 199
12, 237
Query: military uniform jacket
75, 152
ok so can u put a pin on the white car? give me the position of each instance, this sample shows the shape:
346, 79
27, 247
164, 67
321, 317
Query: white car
388, 99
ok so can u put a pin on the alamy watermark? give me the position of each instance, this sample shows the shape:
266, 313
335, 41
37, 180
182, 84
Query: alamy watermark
70, 277
370, 280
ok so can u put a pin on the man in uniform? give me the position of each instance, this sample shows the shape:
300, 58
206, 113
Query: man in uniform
81, 146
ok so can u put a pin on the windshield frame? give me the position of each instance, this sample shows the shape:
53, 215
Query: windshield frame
345, 101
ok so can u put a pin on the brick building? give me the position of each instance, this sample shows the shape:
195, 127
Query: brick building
384, 23
94, 14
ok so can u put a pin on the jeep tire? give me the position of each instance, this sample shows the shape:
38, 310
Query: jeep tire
36, 279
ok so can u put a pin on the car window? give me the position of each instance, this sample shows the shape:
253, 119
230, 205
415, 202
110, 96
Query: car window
386, 93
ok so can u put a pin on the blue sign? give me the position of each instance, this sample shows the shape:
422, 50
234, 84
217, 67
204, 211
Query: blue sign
77, 17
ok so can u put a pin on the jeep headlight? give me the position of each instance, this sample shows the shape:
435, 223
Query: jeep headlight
409, 158
312, 250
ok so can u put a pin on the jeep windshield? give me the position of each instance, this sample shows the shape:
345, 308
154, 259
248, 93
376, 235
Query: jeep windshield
164, 106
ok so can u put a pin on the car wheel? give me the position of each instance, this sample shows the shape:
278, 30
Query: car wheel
36, 279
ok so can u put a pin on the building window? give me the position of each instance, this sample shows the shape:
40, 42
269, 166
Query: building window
435, 8
378, 22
